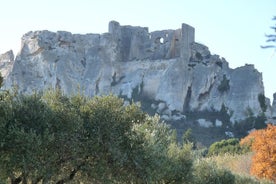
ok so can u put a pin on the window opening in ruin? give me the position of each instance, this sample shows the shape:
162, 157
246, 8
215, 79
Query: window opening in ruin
159, 40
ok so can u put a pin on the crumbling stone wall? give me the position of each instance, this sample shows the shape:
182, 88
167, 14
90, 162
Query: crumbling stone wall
136, 43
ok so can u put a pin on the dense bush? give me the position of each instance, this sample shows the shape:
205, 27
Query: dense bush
221, 169
224, 84
262, 102
239, 179
242, 128
208, 173
188, 138
227, 146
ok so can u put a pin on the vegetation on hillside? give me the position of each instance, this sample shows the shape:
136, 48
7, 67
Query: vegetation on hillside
54, 138
227, 146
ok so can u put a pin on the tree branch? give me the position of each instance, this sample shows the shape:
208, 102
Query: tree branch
71, 175
268, 46
16, 180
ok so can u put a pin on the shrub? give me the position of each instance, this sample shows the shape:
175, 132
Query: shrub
189, 138
236, 163
219, 63
224, 85
251, 122
262, 102
239, 165
208, 172
198, 56
162, 159
226, 146
242, 179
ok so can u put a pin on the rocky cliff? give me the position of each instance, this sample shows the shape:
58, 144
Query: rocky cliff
167, 70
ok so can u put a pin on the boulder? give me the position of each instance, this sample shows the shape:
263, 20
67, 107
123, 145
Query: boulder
218, 123
204, 123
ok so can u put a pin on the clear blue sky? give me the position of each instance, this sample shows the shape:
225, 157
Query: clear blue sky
233, 29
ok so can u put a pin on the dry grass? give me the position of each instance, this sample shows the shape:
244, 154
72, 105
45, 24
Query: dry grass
238, 164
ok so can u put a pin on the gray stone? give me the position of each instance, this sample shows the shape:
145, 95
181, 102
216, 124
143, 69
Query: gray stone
204, 123
270, 121
218, 123
6, 63
229, 134
165, 117
153, 106
161, 107
178, 117
167, 112
167, 66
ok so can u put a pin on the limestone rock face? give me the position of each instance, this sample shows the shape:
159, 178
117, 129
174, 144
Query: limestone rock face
273, 110
6, 63
165, 69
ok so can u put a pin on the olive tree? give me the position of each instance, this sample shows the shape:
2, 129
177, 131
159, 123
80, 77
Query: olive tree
54, 138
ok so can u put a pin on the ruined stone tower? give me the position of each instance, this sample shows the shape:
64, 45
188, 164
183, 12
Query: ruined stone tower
137, 43
187, 38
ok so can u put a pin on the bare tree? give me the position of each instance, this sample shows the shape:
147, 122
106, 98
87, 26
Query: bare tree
271, 38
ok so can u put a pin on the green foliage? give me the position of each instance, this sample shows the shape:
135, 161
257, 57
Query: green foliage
225, 114
262, 102
188, 138
239, 165
165, 161
208, 173
227, 146
241, 128
108, 140
224, 85
239, 179
55, 138
37, 140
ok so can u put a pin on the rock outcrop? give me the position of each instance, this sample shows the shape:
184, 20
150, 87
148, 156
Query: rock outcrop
6, 63
166, 69
273, 110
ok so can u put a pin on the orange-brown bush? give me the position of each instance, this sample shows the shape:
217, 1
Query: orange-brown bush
263, 144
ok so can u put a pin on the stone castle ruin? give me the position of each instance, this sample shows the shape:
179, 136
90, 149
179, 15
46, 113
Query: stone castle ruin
136, 43
167, 70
